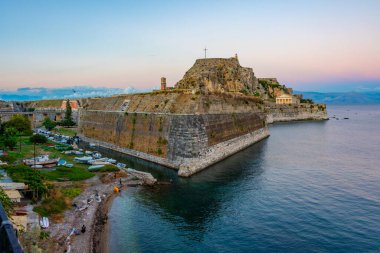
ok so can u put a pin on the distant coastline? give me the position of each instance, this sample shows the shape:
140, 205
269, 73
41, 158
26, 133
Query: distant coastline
30, 94
342, 98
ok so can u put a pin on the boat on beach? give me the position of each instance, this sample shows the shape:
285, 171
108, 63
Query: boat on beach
44, 222
83, 159
43, 160
121, 165
113, 161
94, 167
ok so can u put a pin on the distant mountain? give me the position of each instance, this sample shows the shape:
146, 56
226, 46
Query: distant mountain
342, 97
28, 93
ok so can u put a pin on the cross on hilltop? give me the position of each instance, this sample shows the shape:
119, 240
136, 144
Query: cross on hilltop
205, 52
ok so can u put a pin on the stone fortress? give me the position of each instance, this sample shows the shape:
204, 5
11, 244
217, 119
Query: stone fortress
217, 109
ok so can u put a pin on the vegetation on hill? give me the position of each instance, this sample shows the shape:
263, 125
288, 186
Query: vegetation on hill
57, 202
6, 202
307, 101
33, 178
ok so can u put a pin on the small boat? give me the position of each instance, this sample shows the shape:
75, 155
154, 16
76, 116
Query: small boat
88, 152
44, 222
92, 145
113, 161
84, 159
97, 162
94, 167
121, 165
61, 162
41, 160
78, 153
69, 165
97, 155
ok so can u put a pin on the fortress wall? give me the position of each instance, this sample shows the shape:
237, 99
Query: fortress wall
190, 141
220, 152
144, 132
223, 127
178, 102
277, 113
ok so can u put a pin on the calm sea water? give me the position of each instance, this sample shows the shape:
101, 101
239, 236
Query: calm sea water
309, 187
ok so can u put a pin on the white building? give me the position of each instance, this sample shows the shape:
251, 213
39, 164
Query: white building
285, 99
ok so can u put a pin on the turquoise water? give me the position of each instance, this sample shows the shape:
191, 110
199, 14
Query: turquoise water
309, 187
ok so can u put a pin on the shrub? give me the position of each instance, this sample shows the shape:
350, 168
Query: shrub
49, 124
71, 192
38, 139
162, 141
8, 159
307, 101
55, 204
6, 202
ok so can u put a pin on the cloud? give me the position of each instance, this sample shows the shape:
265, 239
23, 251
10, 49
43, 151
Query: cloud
28, 93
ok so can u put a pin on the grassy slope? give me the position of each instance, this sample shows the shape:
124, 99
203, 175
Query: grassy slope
78, 172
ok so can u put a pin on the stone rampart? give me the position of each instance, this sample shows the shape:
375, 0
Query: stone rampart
294, 112
188, 142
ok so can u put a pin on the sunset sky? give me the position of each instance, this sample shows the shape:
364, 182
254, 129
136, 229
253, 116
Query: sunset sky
309, 45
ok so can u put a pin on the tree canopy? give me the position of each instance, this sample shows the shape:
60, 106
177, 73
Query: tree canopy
48, 124
68, 119
21, 123
38, 139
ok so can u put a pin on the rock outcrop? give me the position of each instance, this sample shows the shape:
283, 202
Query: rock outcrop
220, 75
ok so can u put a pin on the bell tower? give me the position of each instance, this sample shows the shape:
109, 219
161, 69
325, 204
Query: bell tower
163, 83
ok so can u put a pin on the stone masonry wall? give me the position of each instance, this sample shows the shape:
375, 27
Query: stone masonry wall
174, 140
277, 113
144, 132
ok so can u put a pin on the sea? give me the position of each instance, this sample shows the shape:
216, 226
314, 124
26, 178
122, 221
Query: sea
312, 186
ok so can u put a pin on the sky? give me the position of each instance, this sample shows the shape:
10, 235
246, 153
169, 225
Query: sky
308, 45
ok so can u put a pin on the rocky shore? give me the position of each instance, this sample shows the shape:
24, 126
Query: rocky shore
88, 211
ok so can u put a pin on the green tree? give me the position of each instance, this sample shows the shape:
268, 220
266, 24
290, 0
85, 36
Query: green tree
68, 119
48, 124
21, 123
6, 202
38, 139
29, 176
10, 137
